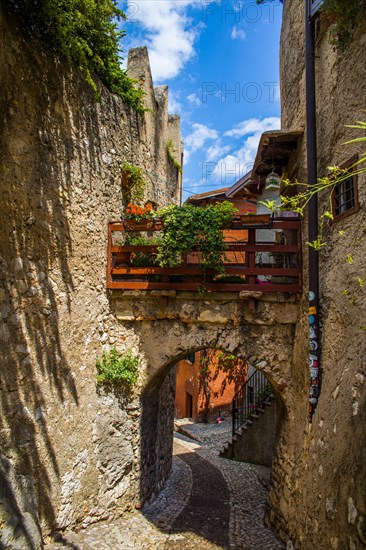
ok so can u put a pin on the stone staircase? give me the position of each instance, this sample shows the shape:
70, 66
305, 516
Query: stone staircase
253, 441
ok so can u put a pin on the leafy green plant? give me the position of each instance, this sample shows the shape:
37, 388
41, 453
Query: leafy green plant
346, 17
171, 153
118, 369
136, 239
185, 227
85, 32
263, 395
143, 259
136, 184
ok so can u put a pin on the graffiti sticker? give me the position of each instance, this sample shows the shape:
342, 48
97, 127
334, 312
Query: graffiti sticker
313, 345
314, 372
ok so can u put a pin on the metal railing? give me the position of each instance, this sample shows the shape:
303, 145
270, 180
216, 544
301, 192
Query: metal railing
249, 399
251, 263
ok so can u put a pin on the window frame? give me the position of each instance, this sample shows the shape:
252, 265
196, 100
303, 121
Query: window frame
356, 207
188, 360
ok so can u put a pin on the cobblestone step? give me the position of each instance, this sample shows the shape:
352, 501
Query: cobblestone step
209, 503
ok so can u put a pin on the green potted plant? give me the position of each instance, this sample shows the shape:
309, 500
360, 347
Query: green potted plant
187, 227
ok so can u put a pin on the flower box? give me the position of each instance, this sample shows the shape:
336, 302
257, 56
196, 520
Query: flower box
138, 225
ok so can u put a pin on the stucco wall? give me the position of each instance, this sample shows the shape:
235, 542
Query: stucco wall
256, 443
325, 481
60, 156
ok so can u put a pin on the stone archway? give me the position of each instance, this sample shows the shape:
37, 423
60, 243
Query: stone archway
158, 397
166, 328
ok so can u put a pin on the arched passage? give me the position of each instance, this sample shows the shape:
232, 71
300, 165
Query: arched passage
247, 343
166, 326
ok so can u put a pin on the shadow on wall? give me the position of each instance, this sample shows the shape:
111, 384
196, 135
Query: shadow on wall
42, 140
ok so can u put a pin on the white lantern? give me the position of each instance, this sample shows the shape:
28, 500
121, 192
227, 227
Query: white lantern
273, 180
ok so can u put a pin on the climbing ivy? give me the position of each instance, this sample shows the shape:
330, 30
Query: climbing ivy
86, 33
136, 184
187, 226
346, 16
171, 153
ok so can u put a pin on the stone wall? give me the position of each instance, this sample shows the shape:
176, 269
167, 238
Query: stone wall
321, 470
256, 443
60, 155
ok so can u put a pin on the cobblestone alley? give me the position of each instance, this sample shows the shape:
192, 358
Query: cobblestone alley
208, 503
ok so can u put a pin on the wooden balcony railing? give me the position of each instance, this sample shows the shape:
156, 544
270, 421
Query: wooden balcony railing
250, 263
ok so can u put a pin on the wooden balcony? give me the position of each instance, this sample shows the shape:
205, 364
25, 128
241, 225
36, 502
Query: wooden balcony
250, 264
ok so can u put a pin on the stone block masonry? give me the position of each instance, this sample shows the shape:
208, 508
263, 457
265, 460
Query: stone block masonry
60, 178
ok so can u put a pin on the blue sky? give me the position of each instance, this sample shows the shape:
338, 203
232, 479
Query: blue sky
221, 63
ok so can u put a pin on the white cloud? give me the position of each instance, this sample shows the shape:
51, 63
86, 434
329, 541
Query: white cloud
168, 33
254, 125
216, 151
233, 166
238, 34
175, 107
194, 99
201, 133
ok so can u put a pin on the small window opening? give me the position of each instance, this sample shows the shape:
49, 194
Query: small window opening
345, 196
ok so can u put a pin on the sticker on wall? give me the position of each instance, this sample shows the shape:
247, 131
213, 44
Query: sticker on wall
314, 371
313, 345
311, 296
313, 360
311, 319
312, 310
313, 391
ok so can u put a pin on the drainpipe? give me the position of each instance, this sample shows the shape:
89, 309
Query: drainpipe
314, 340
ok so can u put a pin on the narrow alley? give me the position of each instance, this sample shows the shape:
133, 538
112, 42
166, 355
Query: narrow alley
208, 503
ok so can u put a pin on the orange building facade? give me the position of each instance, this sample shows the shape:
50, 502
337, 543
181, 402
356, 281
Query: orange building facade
206, 382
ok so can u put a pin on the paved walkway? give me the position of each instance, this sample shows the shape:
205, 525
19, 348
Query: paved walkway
208, 503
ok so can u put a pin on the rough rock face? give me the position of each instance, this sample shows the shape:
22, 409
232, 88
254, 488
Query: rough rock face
60, 177
320, 475
19, 528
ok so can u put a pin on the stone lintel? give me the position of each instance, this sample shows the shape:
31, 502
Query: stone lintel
208, 309
281, 297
